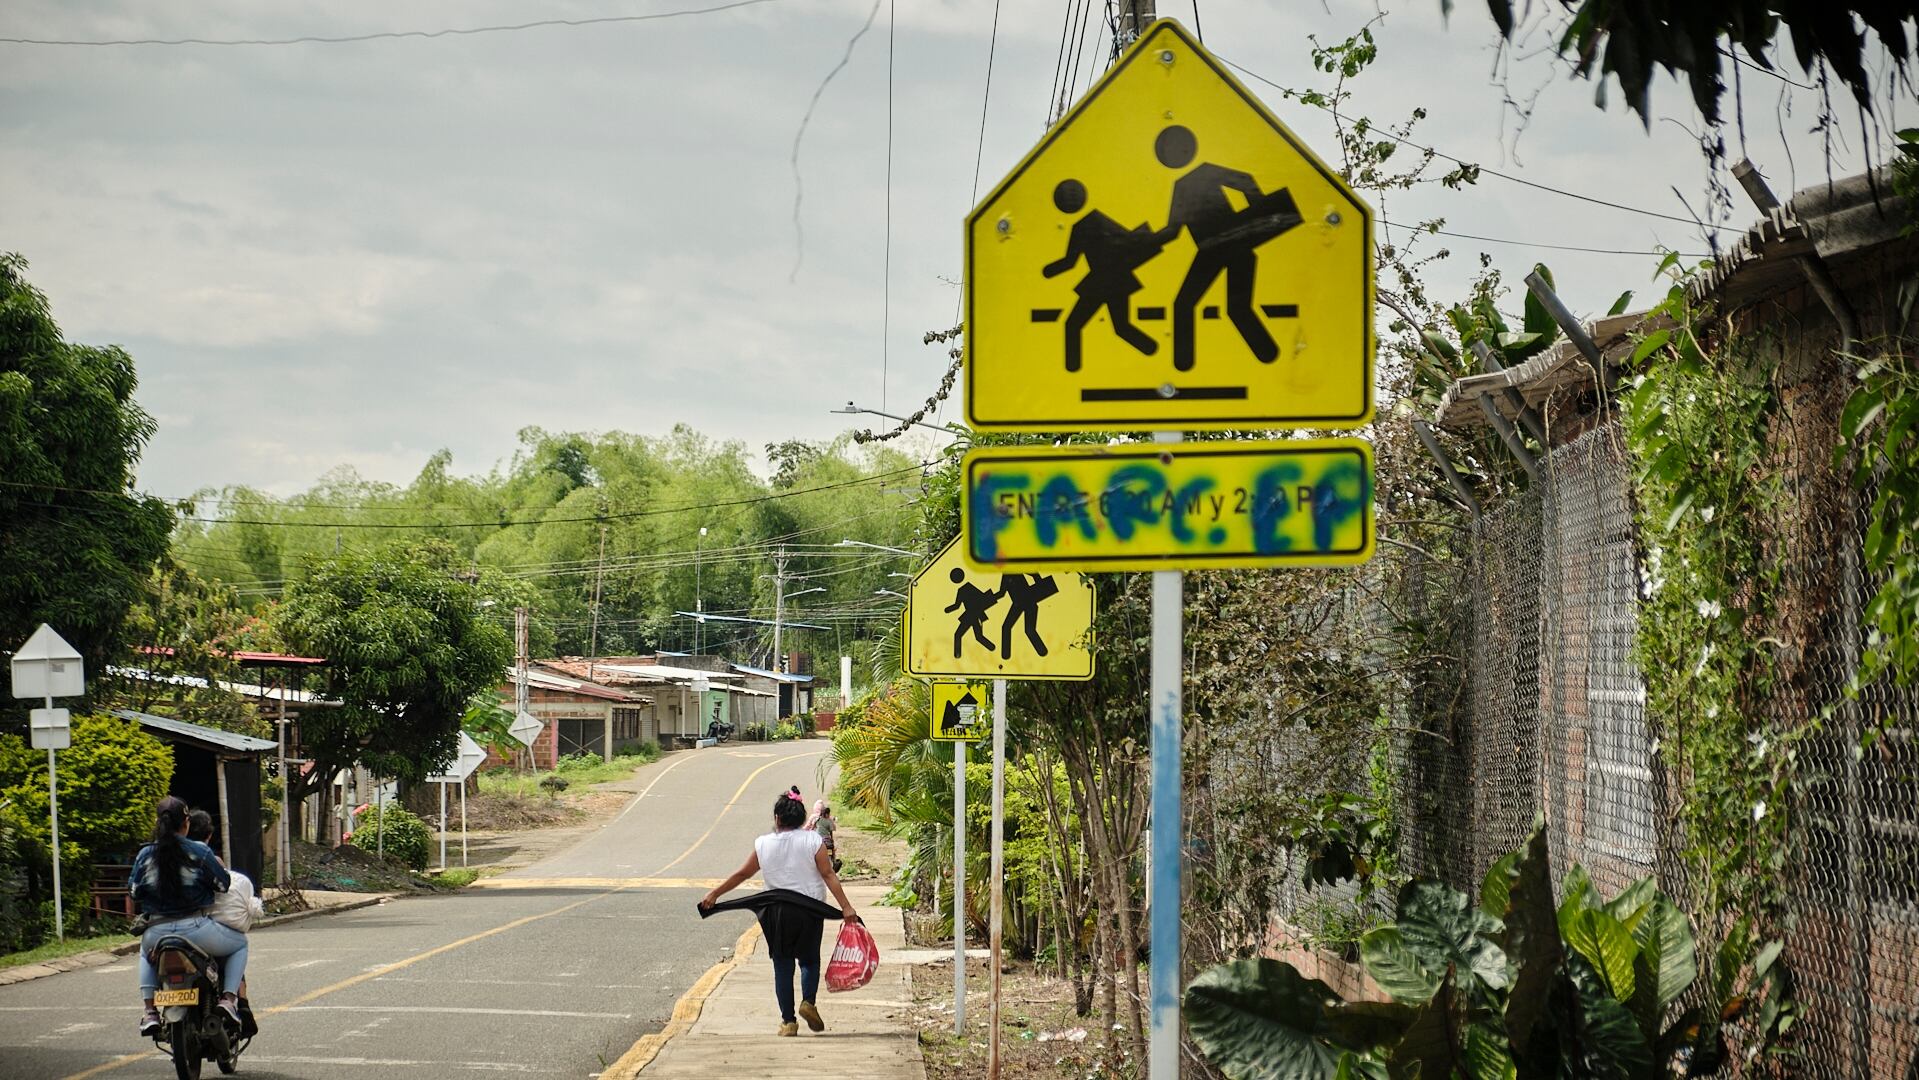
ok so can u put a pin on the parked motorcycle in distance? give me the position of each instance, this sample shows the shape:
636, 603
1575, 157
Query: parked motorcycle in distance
196, 1028
719, 731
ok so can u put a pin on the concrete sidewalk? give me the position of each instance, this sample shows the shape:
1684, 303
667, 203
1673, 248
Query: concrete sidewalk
869, 1032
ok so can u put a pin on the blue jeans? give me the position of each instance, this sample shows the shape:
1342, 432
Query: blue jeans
212, 938
783, 981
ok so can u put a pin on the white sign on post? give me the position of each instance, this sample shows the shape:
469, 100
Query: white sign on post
470, 757
50, 729
526, 728
47, 667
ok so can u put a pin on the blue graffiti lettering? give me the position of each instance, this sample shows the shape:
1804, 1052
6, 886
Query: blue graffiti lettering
1191, 500
1130, 498
1343, 490
1271, 507
1062, 504
988, 521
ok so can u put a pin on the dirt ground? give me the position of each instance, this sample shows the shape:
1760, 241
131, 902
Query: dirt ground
1040, 1037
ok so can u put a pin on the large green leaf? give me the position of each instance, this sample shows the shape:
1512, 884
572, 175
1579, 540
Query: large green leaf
1608, 946
1444, 928
1260, 1019
1598, 1038
1395, 967
1486, 1056
1496, 890
1427, 1047
1577, 894
1532, 941
1629, 906
1666, 945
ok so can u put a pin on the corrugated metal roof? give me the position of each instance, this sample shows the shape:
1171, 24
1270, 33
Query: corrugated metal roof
776, 676
211, 738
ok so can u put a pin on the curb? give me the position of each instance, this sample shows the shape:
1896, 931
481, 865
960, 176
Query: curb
685, 1012
108, 954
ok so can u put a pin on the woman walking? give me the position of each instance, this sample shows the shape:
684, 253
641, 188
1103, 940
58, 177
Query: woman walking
174, 881
798, 873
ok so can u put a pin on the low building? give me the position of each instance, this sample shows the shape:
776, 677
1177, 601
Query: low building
219, 772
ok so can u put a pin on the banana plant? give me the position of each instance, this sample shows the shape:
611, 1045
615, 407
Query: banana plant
1500, 987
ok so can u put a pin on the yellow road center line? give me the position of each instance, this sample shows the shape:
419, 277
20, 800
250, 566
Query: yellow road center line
730, 803
685, 1012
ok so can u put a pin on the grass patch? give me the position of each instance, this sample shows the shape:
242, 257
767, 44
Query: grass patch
54, 950
457, 877
577, 770
858, 817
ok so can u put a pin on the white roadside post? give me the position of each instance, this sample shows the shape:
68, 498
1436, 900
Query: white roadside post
967, 713
1168, 829
47, 667
998, 871
468, 759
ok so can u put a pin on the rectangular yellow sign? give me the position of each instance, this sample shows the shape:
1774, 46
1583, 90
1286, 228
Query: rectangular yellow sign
1169, 506
962, 711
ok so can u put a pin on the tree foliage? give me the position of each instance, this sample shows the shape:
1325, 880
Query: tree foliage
1628, 39
79, 540
409, 639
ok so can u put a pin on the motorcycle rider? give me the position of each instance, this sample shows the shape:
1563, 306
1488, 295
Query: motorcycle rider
174, 880
237, 907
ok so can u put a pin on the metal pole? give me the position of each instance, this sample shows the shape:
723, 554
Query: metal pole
284, 833
1509, 436
699, 594
463, 823
443, 824
379, 818
1162, 1050
779, 611
997, 909
226, 830
959, 889
1460, 488
53, 808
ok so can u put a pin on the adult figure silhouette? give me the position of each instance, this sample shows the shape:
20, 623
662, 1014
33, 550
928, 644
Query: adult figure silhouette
1225, 239
972, 603
1022, 605
1112, 252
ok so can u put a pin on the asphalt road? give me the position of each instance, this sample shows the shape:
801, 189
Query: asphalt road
556, 971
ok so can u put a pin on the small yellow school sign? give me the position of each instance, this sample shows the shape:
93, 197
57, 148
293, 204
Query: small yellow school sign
964, 623
1148, 506
1169, 256
962, 711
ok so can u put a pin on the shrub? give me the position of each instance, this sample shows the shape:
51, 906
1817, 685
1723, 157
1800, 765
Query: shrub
553, 783
407, 838
577, 763
786, 731
1503, 985
645, 751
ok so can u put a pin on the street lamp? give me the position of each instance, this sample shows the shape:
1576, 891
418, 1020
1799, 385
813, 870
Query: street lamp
888, 592
878, 547
949, 429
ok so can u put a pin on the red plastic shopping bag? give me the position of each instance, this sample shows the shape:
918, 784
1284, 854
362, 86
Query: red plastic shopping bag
855, 958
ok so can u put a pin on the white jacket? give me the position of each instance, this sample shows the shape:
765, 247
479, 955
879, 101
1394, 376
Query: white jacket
237, 907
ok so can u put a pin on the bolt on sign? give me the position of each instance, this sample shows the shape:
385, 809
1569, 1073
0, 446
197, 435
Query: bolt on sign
1185, 506
962, 711
1169, 257
967, 623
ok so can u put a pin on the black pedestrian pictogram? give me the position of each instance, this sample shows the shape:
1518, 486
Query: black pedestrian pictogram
1112, 252
1225, 239
1023, 600
972, 603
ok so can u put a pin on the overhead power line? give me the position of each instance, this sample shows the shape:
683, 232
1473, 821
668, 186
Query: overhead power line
1536, 243
1422, 148
385, 35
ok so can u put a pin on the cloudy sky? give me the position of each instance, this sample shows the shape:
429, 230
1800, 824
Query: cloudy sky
354, 254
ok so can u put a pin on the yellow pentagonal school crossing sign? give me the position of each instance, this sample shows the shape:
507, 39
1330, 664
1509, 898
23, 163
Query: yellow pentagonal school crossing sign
963, 623
1169, 256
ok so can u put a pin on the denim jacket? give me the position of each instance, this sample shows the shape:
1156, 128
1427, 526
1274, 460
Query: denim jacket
200, 879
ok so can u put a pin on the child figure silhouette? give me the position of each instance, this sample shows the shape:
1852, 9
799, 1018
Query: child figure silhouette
972, 603
1112, 252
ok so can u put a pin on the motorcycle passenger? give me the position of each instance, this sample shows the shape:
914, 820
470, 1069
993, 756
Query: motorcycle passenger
237, 907
174, 881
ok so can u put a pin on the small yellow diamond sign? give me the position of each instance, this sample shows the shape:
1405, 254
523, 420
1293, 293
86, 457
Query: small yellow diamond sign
962, 711
1169, 256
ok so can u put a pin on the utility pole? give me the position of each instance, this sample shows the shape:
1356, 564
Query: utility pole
521, 699
1133, 17
779, 609
593, 636
699, 594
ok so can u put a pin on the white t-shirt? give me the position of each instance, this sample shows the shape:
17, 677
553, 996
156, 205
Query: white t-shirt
237, 907
786, 862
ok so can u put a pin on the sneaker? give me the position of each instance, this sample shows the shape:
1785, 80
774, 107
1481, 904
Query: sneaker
230, 1005
150, 1023
810, 1013
790, 1030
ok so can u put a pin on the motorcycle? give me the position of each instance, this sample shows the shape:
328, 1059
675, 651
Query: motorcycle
719, 731
196, 1029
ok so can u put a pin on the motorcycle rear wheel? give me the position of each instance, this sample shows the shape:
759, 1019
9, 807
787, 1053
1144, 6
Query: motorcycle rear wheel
184, 1039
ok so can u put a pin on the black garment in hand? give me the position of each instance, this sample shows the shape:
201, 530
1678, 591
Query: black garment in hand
791, 921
